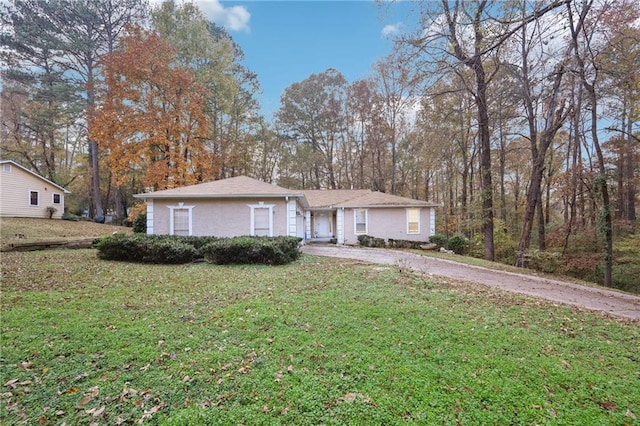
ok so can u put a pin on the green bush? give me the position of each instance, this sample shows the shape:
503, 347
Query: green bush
369, 241
439, 240
476, 246
197, 242
459, 244
172, 249
169, 249
404, 244
543, 261
140, 223
253, 250
625, 277
505, 247
70, 216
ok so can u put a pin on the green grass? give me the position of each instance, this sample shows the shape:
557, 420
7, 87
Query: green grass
319, 341
30, 229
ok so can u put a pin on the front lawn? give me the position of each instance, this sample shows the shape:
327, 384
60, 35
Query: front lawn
319, 341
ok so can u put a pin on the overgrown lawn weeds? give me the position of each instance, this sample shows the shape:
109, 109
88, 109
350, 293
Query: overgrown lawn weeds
316, 341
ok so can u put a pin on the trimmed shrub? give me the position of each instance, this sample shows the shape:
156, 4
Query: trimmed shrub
439, 240
144, 248
459, 244
404, 244
140, 223
173, 249
167, 251
369, 241
197, 242
253, 250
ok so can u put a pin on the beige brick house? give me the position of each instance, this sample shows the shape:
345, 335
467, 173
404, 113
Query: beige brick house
245, 206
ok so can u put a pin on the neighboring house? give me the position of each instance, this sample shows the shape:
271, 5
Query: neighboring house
245, 206
24, 193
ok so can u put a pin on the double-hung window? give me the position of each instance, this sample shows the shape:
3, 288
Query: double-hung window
34, 198
360, 221
57, 198
413, 221
181, 219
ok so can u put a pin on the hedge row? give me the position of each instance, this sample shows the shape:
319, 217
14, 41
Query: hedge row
250, 250
369, 241
172, 249
458, 243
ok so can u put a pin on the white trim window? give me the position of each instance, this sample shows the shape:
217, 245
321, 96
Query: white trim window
360, 221
413, 221
261, 220
56, 198
181, 220
34, 198
6, 168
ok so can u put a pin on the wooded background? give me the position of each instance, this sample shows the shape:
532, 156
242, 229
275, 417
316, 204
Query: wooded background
519, 117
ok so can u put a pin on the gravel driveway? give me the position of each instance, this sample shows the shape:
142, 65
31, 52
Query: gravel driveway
599, 299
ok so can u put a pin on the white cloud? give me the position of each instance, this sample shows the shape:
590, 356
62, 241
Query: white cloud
234, 18
391, 29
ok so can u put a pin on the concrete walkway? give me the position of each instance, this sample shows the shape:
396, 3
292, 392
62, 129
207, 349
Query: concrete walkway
595, 298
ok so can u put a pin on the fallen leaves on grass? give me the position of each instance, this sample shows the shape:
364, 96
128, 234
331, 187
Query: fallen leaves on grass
356, 397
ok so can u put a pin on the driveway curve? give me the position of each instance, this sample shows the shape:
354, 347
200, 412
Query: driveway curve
594, 298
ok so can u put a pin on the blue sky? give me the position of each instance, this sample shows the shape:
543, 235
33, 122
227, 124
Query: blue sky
286, 41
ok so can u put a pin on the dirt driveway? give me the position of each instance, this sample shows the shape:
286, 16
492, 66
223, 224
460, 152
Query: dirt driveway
598, 299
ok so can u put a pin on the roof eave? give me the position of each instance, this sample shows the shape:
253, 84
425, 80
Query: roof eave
388, 206
151, 195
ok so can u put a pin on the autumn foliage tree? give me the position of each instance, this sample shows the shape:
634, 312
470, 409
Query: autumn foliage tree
150, 116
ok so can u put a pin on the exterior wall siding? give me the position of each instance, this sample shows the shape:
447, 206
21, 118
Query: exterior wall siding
292, 222
388, 223
15, 186
220, 217
150, 217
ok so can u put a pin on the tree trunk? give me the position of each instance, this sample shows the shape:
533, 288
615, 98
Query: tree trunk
541, 224
553, 121
631, 186
485, 161
94, 152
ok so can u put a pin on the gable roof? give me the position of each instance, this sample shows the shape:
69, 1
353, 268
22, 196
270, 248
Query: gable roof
381, 199
331, 198
246, 187
13, 163
359, 198
239, 186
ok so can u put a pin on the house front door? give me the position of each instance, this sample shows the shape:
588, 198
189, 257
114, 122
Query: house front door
322, 225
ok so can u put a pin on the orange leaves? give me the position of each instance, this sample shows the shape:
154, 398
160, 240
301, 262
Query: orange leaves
151, 116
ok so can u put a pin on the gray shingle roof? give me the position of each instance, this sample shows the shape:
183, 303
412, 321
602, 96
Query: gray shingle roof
239, 186
243, 187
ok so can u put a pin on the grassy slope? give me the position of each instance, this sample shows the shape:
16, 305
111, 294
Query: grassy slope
319, 341
52, 229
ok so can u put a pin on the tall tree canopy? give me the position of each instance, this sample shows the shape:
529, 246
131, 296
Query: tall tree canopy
151, 116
